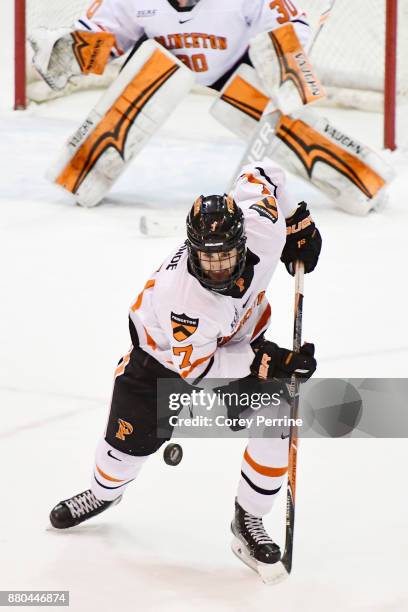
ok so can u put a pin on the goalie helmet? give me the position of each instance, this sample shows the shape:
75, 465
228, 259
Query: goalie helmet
216, 241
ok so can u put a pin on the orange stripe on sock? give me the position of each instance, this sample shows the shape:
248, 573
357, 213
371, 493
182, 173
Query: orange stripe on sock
263, 469
108, 477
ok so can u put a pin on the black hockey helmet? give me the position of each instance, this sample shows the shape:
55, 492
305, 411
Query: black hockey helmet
216, 241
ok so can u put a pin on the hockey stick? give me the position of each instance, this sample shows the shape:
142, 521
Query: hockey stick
274, 573
293, 435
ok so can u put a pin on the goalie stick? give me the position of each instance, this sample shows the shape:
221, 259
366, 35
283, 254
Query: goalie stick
322, 20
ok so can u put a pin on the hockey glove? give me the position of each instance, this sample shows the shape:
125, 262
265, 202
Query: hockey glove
62, 54
303, 241
273, 362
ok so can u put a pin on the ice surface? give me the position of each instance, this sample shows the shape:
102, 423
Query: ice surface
68, 277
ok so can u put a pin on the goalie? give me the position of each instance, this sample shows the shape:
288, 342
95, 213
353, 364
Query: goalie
176, 43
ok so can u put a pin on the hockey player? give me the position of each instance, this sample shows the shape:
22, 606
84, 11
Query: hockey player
202, 315
204, 42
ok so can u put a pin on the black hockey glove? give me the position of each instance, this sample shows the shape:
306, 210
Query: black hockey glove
303, 241
273, 362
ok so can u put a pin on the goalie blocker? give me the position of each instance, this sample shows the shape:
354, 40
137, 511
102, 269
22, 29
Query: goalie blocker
285, 70
352, 174
147, 90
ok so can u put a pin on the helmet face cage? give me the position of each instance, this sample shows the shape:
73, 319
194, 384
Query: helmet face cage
216, 242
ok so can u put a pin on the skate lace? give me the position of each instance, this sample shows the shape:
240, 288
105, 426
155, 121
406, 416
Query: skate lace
83, 503
256, 529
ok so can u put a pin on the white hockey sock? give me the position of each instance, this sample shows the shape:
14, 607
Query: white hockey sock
263, 470
113, 471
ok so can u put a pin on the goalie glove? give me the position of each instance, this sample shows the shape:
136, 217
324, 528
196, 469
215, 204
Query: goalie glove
62, 54
303, 241
273, 362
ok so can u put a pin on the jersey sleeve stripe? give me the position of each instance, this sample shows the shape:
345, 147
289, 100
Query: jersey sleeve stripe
266, 315
138, 303
150, 341
300, 21
116, 46
85, 25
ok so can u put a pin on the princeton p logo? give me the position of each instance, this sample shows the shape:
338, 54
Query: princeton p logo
125, 429
183, 326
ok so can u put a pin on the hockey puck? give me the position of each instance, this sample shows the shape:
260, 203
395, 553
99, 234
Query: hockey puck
173, 454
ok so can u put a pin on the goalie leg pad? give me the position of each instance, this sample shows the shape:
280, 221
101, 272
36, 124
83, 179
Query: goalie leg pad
150, 86
353, 175
241, 103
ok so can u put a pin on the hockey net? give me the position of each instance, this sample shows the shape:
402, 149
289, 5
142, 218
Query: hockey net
348, 54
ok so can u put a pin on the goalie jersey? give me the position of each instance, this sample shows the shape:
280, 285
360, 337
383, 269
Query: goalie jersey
197, 332
210, 38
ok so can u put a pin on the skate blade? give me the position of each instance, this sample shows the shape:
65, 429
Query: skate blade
270, 573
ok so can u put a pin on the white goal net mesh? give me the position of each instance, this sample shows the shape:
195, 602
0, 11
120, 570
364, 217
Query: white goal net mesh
349, 53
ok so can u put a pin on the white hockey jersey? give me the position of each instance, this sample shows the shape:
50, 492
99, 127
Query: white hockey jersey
209, 39
200, 333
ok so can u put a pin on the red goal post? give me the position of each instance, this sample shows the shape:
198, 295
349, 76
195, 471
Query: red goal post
34, 13
390, 76
20, 70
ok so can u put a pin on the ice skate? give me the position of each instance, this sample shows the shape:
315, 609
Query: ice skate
255, 547
79, 508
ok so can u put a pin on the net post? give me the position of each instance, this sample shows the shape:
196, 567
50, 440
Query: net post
19, 54
390, 77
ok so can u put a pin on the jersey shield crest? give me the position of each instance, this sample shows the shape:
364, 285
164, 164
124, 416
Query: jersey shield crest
183, 326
